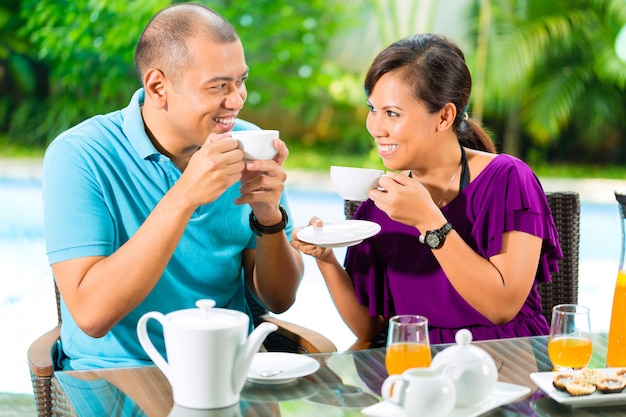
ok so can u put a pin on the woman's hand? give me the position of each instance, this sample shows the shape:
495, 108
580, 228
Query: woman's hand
320, 253
407, 201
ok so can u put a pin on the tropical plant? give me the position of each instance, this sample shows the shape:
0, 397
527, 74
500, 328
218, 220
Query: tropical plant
554, 75
88, 46
23, 80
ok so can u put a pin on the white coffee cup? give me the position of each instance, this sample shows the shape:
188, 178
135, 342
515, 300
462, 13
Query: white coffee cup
353, 183
256, 144
421, 392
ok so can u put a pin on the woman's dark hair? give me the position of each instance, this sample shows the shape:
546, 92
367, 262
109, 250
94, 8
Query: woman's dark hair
434, 69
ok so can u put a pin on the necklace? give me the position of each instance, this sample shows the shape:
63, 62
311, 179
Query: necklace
447, 188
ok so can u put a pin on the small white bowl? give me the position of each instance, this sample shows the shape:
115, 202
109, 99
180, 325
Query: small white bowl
256, 144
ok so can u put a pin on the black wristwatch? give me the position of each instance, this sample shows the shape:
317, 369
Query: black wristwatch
261, 230
434, 238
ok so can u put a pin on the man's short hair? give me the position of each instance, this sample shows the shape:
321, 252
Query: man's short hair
163, 42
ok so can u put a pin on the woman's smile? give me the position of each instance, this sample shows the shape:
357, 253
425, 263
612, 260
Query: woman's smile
385, 149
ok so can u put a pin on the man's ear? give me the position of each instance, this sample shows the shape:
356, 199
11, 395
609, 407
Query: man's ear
154, 82
446, 116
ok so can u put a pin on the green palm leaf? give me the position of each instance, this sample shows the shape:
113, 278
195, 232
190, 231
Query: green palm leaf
556, 62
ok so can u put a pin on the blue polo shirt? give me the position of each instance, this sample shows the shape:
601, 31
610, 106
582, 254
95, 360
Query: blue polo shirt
101, 179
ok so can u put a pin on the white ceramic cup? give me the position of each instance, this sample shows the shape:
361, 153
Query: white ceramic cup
421, 392
353, 183
256, 144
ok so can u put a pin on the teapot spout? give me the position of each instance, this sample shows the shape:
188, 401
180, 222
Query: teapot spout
246, 353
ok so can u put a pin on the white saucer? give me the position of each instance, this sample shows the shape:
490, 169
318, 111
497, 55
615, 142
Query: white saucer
337, 235
502, 394
291, 365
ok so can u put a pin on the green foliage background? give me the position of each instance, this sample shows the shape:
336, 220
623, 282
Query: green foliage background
555, 81
547, 80
88, 46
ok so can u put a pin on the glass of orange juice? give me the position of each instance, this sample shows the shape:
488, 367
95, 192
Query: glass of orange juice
569, 343
407, 344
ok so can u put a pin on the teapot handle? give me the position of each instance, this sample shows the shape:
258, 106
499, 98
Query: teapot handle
392, 393
146, 343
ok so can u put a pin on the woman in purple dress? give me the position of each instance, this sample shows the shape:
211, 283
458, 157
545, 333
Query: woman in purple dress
466, 233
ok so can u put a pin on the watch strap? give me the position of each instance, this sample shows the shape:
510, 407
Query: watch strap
261, 230
441, 234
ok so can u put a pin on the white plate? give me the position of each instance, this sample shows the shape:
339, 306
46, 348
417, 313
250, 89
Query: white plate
341, 234
597, 399
502, 394
292, 366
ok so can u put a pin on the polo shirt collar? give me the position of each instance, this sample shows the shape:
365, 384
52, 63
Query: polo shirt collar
135, 129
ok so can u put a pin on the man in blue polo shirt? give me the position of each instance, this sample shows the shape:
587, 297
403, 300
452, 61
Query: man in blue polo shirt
152, 207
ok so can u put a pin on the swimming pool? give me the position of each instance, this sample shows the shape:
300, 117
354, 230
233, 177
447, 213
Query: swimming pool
27, 305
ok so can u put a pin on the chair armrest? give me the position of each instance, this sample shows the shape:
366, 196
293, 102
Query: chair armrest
40, 353
361, 345
310, 340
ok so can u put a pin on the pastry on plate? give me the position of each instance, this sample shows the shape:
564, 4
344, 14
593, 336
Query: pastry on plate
561, 380
591, 376
578, 387
611, 385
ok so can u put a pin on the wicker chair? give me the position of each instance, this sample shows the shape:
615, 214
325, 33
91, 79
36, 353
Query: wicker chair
43, 351
563, 289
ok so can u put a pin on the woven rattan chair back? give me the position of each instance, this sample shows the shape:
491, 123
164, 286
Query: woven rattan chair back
563, 289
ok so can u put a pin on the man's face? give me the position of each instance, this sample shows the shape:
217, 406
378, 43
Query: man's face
208, 96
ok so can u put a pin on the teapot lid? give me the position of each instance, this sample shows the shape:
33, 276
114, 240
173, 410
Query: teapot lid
463, 351
206, 317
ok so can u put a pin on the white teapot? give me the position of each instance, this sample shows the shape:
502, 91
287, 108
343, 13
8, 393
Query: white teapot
471, 369
209, 353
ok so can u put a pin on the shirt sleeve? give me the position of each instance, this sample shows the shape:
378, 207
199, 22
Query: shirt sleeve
76, 220
514, 200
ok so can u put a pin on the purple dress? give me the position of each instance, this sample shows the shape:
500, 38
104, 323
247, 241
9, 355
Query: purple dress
395, 274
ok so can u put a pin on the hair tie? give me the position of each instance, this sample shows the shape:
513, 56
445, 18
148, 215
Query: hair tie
465, 116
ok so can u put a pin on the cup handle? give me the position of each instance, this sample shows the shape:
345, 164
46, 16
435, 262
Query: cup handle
146, 343
393, 389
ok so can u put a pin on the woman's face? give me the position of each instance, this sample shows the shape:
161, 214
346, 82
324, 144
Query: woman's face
401, 125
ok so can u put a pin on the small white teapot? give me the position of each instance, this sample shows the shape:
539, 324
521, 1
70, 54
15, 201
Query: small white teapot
209, 353
471, 369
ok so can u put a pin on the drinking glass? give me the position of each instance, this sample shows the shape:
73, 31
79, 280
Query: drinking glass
407, 344
569, 343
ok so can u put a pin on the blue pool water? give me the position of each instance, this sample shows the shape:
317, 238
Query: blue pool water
27, 306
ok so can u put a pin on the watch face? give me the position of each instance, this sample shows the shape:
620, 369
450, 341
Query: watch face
432, 239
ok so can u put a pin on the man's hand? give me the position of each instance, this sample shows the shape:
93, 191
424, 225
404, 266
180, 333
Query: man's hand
262, 184
214, 167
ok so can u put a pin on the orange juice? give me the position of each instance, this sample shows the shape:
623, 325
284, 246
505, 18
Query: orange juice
403, 356
616, 350
568, 352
